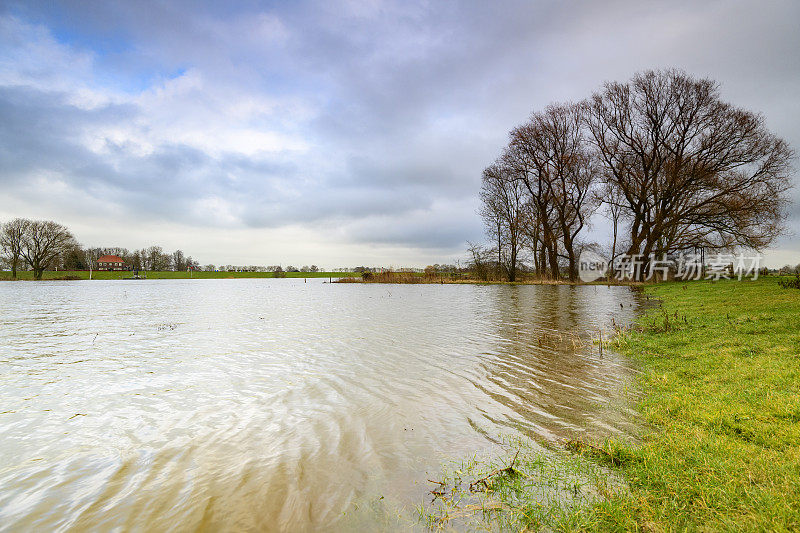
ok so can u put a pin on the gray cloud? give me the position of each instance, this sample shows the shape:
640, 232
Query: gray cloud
376, 118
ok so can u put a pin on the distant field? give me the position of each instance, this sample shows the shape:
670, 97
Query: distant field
175, 275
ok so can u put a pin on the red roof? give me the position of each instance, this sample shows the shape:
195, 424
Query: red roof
109, 259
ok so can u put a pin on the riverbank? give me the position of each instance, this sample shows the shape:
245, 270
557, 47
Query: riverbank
721, 387
97, 274
720, 400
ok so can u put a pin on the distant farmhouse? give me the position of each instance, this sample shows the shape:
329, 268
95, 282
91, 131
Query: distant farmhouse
110, 262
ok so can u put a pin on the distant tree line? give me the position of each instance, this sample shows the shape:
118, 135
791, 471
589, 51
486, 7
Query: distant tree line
789, 269
40, 245
153, 258
672, 166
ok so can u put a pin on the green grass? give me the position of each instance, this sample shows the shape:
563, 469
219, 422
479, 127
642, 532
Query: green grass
27, 275
720, 402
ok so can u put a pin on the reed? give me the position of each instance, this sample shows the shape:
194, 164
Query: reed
398, 277
467, 278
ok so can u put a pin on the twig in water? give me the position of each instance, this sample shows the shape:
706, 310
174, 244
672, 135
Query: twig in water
483, 481
439, 491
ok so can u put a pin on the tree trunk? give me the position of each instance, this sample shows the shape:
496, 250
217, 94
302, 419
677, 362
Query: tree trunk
573, 267
553, 262
512, 268
499, 253
542, 262
572, 271
613, 251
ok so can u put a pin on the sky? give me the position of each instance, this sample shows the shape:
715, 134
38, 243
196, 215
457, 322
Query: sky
336, 133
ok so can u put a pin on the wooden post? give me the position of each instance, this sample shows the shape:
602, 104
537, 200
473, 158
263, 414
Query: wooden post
703, 261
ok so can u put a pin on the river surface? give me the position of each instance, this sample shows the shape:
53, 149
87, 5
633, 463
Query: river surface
278, 405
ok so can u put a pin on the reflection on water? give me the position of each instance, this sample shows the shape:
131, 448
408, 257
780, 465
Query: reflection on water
278, 404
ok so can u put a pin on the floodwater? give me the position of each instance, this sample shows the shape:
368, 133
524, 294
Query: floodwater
269, 405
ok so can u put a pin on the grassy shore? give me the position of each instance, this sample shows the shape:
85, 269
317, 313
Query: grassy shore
84, 274
720, 400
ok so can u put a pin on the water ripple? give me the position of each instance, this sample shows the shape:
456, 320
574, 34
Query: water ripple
277, 404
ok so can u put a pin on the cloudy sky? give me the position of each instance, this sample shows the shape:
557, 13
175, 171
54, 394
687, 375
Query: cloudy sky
331, 132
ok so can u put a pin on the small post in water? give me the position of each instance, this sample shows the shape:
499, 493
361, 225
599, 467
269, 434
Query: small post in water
600, 332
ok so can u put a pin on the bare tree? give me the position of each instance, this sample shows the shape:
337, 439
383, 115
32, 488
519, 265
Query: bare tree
478, 260
11, 240
613, 199
137, 260
692, 170
543, 227
74, 259
559, 169
157, 259
505, 210
178, 261
43, 242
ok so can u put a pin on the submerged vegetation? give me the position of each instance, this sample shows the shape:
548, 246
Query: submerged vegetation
532, 488
721, 407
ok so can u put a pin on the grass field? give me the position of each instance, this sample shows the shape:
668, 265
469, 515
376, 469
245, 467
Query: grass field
174, 275
720, 401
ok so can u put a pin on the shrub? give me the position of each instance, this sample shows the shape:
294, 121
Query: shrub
791, 283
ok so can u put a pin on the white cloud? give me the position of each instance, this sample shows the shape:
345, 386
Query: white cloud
240, 134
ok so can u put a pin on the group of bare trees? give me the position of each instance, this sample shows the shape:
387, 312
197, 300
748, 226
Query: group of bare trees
40, 245
44, 245
153, 258
36, 244
668, 162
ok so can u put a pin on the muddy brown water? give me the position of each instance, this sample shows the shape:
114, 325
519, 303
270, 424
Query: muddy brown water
278, 405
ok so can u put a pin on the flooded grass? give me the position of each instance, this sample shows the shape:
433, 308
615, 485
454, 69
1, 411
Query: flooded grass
721, 400
532, 488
